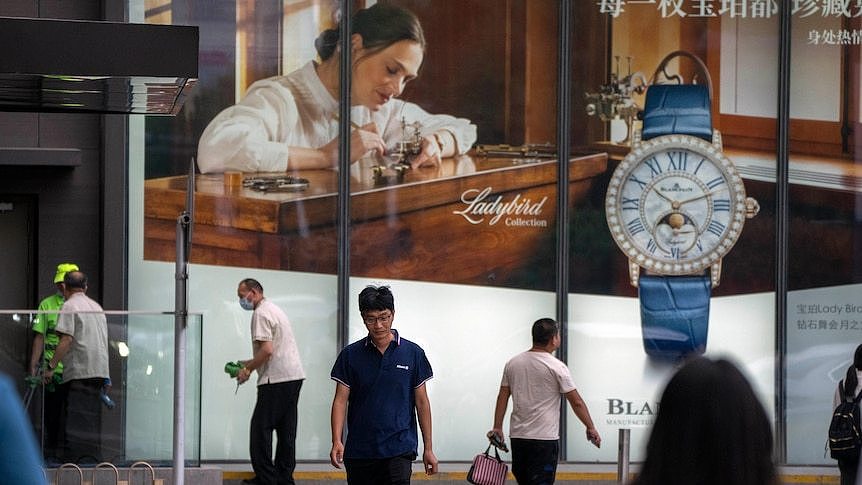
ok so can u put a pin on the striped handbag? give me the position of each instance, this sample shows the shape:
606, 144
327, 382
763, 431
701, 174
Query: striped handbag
487, 469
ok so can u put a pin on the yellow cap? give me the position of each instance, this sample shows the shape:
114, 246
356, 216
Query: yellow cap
62, 269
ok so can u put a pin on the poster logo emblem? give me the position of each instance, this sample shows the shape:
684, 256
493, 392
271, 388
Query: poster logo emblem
516, 211
630, 413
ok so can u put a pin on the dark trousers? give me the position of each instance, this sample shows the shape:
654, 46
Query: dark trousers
382, 471
534, 462
275, 410
848, 471
82, 420
52, 417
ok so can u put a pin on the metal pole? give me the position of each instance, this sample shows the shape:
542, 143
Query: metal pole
183, 245
343, 265
623, 455
564, 124
179, 356
782, 228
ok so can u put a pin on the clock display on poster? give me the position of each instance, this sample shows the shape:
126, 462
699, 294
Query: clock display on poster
675, 205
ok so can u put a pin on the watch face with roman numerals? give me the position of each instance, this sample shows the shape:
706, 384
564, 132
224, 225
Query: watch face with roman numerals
675, 205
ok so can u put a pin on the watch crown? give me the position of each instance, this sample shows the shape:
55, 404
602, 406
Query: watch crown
752, 207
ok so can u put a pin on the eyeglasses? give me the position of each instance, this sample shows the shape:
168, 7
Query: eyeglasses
372, 319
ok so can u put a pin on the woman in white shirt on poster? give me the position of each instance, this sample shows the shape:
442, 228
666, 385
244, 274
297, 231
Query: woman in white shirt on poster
291, 122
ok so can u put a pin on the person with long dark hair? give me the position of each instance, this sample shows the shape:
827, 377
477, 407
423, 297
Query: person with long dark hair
850, 387
710, 430
291, 122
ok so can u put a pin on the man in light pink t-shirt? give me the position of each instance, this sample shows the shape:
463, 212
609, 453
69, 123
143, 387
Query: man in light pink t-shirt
536, 380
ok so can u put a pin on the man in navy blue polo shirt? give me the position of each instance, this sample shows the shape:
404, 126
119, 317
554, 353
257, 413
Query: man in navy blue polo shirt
380, 385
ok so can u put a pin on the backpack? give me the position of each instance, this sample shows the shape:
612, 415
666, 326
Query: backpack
845, 439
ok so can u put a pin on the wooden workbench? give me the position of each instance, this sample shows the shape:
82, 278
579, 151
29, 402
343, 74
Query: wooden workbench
409, 228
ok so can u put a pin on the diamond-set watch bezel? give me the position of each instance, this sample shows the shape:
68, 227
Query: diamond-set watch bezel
642, 150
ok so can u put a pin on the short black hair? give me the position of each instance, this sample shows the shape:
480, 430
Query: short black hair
376, 298
252, 284
544, 330
75, 279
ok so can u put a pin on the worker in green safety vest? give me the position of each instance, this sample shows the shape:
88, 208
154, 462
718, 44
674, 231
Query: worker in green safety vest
45, 341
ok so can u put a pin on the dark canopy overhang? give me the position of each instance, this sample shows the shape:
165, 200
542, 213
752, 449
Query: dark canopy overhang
50, 65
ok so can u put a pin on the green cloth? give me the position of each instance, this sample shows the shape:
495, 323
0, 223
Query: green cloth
45, 323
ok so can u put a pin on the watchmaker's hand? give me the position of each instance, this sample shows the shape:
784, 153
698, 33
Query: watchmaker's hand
430, 154
364, 140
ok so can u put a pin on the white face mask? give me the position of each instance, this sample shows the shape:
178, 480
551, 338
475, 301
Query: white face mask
246, 304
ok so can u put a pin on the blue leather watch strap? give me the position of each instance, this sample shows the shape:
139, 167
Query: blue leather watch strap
674, 314
682, 109
675, 309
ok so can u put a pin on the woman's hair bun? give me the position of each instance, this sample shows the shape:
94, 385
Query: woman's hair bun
326, 42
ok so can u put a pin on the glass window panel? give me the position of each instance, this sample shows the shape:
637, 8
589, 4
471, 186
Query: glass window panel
423, 232
470, 239
254, 215
149, 389
824, 315
141, 367
605, 329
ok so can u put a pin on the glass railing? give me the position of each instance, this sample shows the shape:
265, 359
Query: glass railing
81, 419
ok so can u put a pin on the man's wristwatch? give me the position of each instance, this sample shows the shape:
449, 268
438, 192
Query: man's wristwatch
675, 206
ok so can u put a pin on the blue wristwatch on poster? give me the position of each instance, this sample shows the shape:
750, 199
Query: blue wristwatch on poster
675, 206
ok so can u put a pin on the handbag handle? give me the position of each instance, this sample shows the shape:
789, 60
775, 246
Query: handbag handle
496, 452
